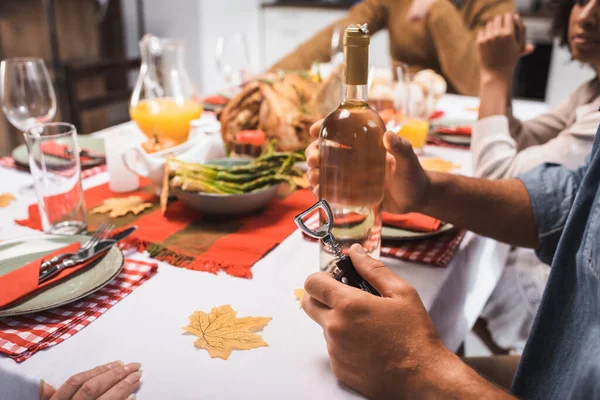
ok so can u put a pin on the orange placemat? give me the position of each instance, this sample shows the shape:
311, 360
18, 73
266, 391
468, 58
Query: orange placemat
185, 238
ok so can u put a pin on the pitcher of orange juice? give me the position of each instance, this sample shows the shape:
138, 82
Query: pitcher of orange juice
164, 99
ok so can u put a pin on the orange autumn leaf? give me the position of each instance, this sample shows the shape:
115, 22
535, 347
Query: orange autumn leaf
437, 164
301, 181
6, 199
120, 206
299, 293
220, 332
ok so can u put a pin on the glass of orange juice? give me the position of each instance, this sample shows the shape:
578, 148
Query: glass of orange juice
419, 104
164, 99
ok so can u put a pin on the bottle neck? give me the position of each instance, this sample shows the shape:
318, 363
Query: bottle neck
355, 93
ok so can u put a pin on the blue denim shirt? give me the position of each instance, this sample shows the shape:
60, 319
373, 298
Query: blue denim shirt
562, 357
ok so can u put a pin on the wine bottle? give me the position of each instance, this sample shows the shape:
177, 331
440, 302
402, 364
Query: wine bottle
352, 156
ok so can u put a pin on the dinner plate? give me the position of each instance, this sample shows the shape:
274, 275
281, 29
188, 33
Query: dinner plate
21, 155
18, 252
450, 122
389, 233
462, 140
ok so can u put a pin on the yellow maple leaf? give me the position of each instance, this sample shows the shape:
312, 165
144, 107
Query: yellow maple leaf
299, 293
6, 199
119, 206
220, 331
437, 164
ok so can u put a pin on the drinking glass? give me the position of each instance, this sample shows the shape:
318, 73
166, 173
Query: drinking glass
26, 92
233, 60
56, 171
337, 45
419, 101
388, 92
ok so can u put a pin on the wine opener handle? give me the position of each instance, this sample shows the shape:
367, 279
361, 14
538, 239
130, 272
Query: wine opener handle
347, 274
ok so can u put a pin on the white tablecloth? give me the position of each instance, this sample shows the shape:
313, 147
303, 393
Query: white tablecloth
146, 326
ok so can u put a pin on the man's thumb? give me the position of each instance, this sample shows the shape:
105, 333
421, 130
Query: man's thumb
529, 48
374, 272
398, 147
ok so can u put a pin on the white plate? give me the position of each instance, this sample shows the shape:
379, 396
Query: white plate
19, 252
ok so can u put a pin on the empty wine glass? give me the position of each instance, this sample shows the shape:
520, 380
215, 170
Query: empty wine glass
337, 45
233, 60
26, 95
26, 92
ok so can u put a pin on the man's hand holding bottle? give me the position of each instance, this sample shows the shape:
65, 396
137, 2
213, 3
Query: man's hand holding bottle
406, 181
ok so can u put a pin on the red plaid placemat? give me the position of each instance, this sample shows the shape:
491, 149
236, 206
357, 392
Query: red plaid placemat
436, 251
23, 336
9, 162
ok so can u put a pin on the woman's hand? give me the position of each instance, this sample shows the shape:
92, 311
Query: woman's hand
112, 381
501, 43
406, 181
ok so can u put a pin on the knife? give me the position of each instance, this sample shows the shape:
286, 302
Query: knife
117, 237
82, 254
96, 252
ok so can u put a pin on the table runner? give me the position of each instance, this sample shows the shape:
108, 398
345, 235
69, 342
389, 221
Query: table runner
185, 238
23, 336
437, 250
9, 162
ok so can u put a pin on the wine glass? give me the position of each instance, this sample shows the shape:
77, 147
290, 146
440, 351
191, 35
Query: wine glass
233, 60
337, 45
26, 94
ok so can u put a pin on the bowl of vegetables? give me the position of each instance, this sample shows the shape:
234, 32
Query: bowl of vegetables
230, 186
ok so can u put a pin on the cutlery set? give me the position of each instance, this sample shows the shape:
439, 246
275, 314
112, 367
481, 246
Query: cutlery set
97, 246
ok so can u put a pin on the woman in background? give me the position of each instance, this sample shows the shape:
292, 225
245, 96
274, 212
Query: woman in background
503, 147
425, 34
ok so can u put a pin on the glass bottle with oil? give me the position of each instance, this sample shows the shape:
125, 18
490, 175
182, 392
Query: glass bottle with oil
352, 156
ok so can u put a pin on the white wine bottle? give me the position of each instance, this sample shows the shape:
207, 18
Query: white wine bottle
352, 156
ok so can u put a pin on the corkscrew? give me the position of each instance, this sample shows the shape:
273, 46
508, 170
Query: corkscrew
344, 270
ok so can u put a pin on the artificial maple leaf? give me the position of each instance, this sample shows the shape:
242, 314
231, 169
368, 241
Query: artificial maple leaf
6, 199
301, 181
220, 331
299, 293
119, 206
437, 164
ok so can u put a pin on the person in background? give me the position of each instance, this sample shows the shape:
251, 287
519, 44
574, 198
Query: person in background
425, 34
387, 347
503, 147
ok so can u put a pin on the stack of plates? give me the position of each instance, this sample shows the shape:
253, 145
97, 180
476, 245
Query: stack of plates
455, 139
389, 233
17, 253
96, 145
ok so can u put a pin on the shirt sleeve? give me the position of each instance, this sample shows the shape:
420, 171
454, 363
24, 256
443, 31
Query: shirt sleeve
318, 48
16, 386
496, 155
545, 127
552, 189
455, 41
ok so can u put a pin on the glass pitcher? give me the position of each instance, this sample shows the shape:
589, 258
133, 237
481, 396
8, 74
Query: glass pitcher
164, 100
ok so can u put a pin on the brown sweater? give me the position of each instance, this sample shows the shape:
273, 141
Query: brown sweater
444, 41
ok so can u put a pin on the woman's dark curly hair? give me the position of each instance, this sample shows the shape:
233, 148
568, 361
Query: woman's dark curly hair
561, 13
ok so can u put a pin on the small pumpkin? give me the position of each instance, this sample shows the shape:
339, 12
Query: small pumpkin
157, 144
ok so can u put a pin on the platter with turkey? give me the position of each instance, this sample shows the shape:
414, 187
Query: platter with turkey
265, 129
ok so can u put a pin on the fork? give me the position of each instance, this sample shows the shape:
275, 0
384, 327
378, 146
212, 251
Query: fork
102, 233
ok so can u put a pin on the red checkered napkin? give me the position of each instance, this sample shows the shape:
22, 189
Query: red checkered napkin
436, 251
9, 162
23, 336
